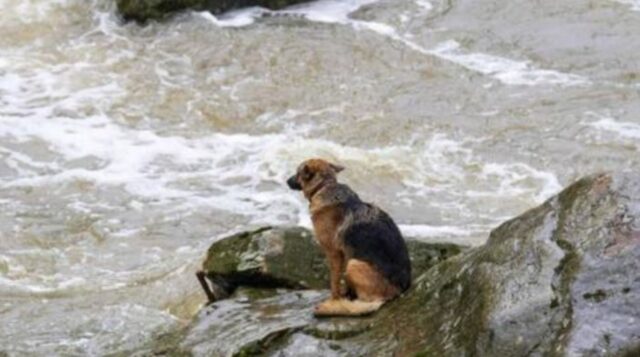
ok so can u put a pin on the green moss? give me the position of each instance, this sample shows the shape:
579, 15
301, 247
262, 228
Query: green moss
301, 260
632, 351
426, 353
255, 293
426, 255
267, 258
224, 256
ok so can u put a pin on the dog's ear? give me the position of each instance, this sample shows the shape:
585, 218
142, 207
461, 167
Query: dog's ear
336, 168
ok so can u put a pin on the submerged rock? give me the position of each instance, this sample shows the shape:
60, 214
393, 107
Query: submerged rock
143, 10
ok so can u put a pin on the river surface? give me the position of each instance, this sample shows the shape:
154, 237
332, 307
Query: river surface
125, 150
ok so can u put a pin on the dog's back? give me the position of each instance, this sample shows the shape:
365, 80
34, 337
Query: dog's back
369, 234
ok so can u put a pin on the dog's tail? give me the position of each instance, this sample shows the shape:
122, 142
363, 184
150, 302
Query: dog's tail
343, 307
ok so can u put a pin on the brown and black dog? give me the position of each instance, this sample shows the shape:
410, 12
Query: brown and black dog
359, 239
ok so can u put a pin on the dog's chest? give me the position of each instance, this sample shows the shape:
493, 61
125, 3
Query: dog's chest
326, 222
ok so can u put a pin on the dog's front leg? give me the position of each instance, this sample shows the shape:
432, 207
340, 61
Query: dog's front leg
336, 264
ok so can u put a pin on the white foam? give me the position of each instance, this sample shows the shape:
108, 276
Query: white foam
238, 18
329, 11
29, 285
150, 166
425, 5
624, 129
236, 173
428, 231
634, 4
512, 179
326, 11
30, 11
505, 70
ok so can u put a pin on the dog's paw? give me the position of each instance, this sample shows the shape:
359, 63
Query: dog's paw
325, 308
324, 305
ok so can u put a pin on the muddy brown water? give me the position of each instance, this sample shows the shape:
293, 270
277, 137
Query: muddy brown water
126, 150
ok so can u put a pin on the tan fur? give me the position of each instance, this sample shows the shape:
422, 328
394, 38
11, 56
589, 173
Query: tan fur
324, 223
368, 282
344, 307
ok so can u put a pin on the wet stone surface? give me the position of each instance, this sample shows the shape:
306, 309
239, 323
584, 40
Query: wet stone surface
559, 279
260, 314
234, 327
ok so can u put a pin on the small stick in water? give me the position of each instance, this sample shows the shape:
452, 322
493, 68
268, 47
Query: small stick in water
200, 274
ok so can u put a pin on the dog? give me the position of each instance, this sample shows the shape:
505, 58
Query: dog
361, 242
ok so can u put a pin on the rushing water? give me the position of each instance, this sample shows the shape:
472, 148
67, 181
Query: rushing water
126, 150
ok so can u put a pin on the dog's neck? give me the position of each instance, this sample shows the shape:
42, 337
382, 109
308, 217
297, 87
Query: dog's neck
315, 189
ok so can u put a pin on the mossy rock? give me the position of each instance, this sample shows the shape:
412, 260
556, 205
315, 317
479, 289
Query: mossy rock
285, 257
264, 316
143, 10
559, 280
289, 257
425, 255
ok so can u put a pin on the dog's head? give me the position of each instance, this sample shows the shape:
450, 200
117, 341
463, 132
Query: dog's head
313, 174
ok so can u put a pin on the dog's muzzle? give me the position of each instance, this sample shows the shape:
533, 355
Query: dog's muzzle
293, 183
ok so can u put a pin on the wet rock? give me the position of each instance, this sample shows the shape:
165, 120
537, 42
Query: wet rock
339, 328
425, 255
289, 257
561, 279
281, 325
231, 327
143, 10
304, 345
282, 257
262, 315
